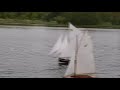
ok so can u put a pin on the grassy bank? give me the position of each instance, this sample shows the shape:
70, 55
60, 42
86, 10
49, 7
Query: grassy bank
30, 23
101, 26
49, 24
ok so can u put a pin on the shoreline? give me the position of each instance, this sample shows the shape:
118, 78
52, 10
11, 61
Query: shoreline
39, 23
57, 28
17, 22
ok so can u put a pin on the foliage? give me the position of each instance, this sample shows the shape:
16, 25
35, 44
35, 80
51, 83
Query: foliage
77, 18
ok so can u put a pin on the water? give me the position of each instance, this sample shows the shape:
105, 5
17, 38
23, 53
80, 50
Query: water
24, 53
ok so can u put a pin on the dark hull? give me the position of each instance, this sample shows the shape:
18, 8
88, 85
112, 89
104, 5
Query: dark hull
63, 60
60, 64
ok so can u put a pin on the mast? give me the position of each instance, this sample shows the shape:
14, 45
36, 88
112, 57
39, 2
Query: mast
76, 51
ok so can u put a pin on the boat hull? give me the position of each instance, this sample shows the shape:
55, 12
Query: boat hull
61, 64
81, 76
63, 60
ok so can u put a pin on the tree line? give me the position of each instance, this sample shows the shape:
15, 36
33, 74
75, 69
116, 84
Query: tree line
77, 18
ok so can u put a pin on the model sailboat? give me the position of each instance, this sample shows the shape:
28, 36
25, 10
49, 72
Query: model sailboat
82, 61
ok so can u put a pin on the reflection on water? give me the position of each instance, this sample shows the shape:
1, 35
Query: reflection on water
24, 53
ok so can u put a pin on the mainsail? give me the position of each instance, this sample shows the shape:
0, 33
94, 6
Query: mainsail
84, 58
75, 31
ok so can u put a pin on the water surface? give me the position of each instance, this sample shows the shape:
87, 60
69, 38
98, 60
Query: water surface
24, 52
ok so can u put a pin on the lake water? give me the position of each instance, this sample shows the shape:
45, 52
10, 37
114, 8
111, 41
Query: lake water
24, 53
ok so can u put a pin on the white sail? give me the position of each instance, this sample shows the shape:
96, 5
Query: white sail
75, 31
70, 69
66, 52
65, 48
70, 47
60, 46
85, 60
64, 45
72, 27
57, 46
